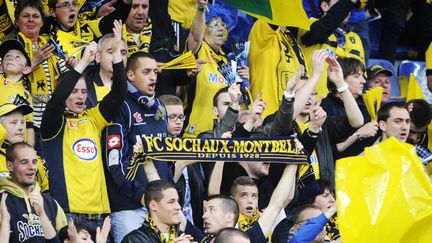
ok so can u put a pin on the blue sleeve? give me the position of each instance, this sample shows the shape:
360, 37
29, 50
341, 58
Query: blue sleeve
118, 144
308, 231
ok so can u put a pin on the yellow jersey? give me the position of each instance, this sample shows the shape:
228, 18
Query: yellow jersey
200, 94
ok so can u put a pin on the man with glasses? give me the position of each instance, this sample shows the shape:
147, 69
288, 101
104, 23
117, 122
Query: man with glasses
65, 12
142, 114
188, 176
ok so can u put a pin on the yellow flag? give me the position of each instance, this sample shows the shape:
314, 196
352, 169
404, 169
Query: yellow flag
182, 11
71, 45
403, 86
278, 12
414, 91
372, 99
384, 196
184, 61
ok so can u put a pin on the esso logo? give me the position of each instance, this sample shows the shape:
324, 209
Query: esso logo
85, 149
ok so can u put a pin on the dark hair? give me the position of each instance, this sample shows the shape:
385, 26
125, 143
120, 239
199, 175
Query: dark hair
10, 151
216, 96
63, 232
421, 113
229, 205
132, 63
349, 66
52, 3
384, 111
322, 185
297, 218
241, 181
29, 3
154, 190
170, 100
226, 234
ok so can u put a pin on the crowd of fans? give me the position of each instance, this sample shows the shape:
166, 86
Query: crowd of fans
82, 86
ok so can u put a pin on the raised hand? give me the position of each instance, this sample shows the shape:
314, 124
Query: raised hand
317, 117
102, 234
90, 52
291, 83
244, 73
202, 4
235, 94
117, 30
258, 107
318, 58
106, 9
4, 213
335, 72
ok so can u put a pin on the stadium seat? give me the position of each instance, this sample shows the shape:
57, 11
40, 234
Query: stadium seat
395, 92
407, 67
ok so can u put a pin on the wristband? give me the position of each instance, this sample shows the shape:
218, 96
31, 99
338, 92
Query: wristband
312, 134
343, 88
289, 95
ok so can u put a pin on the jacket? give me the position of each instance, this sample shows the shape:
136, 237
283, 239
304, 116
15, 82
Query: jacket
143, 234
135, 121
24, 222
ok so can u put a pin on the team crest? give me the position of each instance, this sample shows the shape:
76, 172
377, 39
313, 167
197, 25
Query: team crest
137, 117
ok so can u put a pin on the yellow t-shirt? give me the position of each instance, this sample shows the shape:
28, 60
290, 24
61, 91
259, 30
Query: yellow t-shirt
274, 57
200, 95
75, 163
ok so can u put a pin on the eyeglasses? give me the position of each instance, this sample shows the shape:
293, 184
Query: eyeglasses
217, 23
174, 117
67, 5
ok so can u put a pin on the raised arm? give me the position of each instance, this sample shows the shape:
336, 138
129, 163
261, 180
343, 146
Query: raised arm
111, 103
321, 29
352, 110
52, 119
302, 95
196, 34
282, 195
121, 12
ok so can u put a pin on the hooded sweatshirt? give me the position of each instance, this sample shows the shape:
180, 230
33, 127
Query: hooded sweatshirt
25, 223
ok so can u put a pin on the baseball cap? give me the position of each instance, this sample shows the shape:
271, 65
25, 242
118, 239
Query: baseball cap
376, 69
13, 103
13, 45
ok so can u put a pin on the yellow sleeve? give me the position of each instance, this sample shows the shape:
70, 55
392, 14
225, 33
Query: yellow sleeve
42, 175
429, 60
61, 220
96, 117
94, 26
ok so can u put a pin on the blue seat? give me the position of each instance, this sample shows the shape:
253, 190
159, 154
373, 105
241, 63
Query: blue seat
407, 67
395, 91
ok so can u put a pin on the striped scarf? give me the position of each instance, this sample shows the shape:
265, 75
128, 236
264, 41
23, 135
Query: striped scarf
172, 231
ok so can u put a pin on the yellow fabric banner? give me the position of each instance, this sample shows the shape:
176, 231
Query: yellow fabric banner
384, 196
